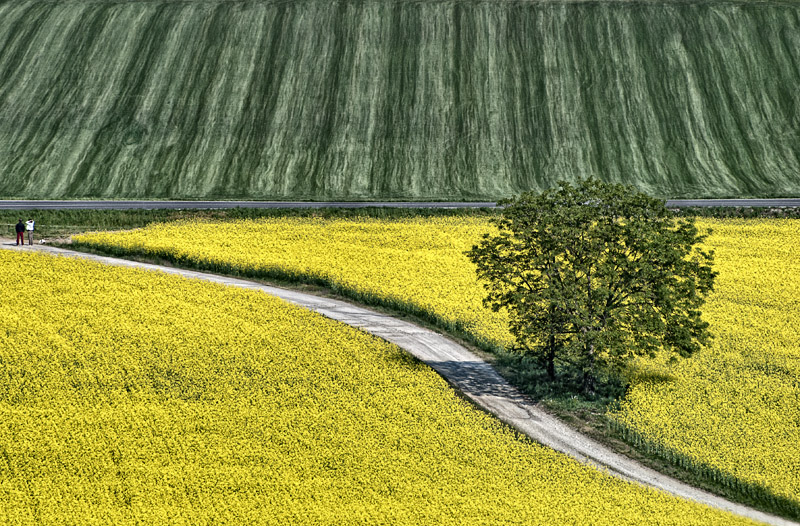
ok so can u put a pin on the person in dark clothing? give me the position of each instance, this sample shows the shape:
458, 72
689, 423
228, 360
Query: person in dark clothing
20, 232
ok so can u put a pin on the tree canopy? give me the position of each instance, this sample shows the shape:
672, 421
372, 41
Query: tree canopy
595, 274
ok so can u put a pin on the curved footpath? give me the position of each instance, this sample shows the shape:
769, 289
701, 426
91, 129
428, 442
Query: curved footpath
476, 379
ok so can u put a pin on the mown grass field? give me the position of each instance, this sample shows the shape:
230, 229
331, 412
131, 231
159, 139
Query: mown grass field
131, 397
369, 100
729, 414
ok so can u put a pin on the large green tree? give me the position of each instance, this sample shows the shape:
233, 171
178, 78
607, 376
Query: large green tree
595, 274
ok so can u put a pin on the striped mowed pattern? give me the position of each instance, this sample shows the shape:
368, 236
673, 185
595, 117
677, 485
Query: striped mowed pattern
396, 99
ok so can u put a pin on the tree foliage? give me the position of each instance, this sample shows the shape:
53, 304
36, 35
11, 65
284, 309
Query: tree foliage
595, 274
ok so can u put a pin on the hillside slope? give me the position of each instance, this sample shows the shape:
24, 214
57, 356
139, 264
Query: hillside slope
396, 99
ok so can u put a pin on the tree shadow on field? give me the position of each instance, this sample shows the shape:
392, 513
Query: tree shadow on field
475, 377
530, 376
512, 375
638, 374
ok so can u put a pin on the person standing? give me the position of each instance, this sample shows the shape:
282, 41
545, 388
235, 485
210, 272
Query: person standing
29, 229
20, 232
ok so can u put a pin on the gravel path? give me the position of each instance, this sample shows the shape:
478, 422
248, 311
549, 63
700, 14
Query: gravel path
476, 379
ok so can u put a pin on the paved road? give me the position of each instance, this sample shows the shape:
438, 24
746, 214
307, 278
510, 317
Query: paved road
150, 205
467, 373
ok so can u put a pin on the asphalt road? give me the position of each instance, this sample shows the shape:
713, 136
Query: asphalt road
176, 205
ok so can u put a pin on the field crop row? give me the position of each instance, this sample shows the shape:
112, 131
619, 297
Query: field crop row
396, 99
129, 397
732, 412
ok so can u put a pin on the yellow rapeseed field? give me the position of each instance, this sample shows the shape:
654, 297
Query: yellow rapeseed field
416, 264
129, 397
731, 412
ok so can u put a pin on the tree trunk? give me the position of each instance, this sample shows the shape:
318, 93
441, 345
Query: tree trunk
551, 357
588, 371
588, 382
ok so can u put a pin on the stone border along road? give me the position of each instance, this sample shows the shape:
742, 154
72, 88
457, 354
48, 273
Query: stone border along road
206, 205
473, 377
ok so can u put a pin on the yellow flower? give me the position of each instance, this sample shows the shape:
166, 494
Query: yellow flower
731, 412
129, 397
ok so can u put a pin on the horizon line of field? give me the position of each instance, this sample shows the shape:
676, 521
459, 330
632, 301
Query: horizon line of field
177, 205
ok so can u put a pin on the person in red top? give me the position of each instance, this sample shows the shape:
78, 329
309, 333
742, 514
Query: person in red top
20, 232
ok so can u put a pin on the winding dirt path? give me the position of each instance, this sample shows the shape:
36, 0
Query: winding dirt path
476, 379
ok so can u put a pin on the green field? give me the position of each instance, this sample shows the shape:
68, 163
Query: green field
396, 99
